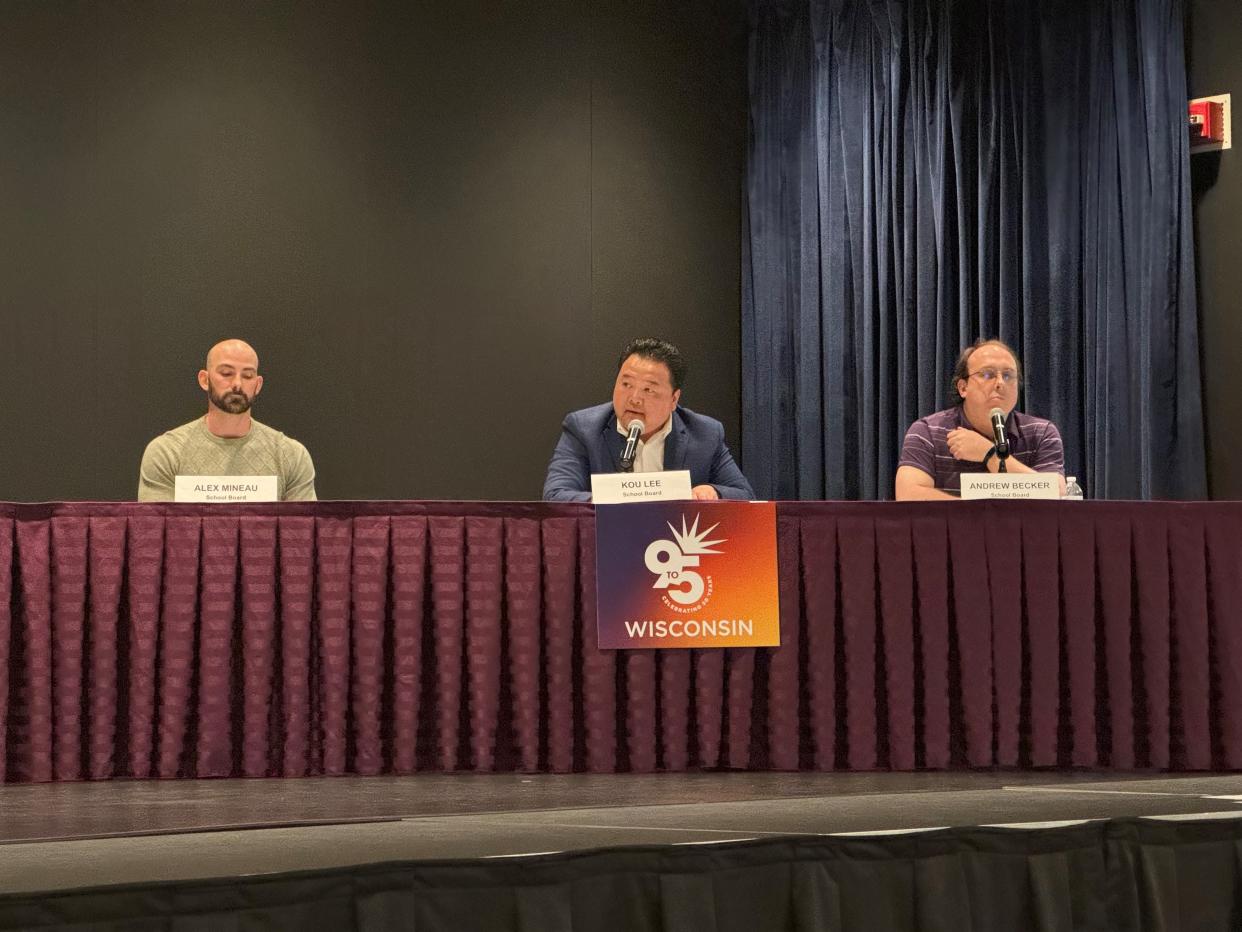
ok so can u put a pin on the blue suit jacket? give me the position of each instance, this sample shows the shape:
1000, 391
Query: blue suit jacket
590, 444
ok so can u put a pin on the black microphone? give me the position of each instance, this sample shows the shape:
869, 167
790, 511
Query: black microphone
635, 430
998, 432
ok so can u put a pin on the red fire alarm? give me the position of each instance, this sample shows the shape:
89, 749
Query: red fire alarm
1208, 120
1205, 121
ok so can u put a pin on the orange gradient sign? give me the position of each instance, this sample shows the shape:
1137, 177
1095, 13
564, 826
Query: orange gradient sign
687, 574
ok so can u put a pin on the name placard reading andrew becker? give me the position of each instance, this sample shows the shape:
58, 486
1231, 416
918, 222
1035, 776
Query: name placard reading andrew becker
1011, 485
687, 574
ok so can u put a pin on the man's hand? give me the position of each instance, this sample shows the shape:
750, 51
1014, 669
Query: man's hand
705, 493
969, 445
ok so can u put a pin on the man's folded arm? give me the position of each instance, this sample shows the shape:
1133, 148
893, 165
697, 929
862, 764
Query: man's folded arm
569, 472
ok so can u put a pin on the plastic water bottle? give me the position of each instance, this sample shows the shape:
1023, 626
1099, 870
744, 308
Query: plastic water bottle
1073, 491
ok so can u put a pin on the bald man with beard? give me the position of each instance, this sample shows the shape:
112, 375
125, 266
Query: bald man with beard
227, 441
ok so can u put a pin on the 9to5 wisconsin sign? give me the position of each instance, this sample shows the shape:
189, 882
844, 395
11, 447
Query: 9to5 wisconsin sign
687, 574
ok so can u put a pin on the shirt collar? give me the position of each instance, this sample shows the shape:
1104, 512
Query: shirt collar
657, 436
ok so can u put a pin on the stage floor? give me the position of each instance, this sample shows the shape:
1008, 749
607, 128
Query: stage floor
68, 835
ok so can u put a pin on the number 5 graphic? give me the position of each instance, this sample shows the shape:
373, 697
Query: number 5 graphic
669, 564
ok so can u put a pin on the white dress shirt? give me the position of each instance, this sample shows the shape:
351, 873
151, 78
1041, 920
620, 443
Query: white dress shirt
650, 457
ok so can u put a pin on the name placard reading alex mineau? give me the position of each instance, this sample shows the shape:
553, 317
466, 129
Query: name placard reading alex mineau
687, 574
617, 488
1011, 485
225, 489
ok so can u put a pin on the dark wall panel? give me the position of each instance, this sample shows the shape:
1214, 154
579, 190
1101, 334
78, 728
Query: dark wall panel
666, 247
1216, 68
435, 222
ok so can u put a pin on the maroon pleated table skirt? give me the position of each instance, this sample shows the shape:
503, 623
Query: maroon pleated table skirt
173, 641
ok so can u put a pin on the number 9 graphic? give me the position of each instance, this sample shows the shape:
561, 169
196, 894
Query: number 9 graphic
669, 564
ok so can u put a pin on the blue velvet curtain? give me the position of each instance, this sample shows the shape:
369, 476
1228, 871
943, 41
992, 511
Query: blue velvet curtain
923, 173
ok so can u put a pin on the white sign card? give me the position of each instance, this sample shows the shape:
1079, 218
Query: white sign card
1011, 485
617, 488
214, 490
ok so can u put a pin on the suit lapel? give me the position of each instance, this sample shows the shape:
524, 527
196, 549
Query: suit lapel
614, 443
675, 446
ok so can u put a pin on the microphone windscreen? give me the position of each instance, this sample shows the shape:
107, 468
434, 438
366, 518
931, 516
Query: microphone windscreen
997, 412
636, 423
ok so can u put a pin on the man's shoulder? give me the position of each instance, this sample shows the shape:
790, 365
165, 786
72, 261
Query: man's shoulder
698, 423
1033, 430
1034, 420
1033, 424
938, 421
276, 438
177, 437
590, 420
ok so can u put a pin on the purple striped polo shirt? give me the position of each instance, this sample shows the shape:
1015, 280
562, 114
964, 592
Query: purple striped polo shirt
1032, 440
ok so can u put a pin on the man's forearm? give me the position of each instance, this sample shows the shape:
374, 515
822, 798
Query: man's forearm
914, 485
922, 493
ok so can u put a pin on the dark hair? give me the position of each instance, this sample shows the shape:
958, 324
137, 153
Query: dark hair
962, 372
657, 351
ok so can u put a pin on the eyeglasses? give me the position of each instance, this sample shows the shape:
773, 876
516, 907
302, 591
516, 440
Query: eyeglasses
1007, 376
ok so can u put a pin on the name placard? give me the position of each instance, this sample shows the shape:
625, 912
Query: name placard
1011, 485
226, 489
618, 488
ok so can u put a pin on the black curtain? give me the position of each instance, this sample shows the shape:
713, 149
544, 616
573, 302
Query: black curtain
927, 172
1128, 875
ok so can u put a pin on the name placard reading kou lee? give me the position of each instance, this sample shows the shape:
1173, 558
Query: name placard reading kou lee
618, 488
225, 490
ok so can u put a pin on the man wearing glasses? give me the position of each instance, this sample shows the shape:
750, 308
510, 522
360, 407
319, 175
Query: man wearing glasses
940, 447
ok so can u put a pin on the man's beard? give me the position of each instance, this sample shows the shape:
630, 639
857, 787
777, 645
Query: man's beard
231, 402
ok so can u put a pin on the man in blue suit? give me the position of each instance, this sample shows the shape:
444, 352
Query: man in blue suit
648, 387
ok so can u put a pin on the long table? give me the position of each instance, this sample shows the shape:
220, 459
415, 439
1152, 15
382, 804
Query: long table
165, 641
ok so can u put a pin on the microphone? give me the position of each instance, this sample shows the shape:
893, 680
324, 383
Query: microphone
634, 431
998, 432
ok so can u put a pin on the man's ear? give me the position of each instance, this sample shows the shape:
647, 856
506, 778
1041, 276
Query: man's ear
258, 384
202, 379
676, 397
961, 387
